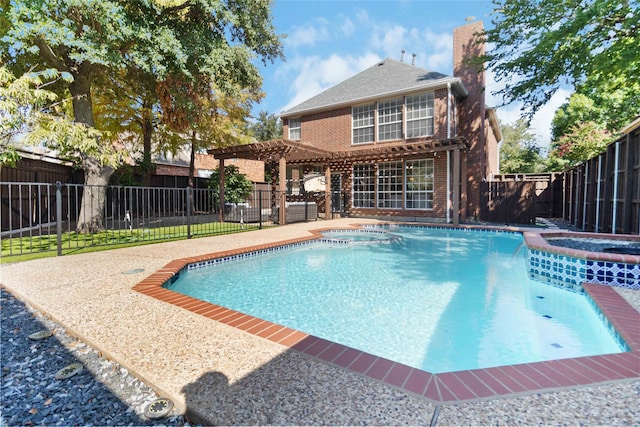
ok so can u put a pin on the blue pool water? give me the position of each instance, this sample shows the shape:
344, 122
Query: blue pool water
436, 299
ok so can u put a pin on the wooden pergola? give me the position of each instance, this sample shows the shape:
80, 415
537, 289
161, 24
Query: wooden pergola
295, 152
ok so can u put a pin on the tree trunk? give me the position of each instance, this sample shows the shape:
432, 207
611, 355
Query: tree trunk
91, 217
147, 131
192, 167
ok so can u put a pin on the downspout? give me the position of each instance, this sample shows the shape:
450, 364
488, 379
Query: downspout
615, 189
448, 153
448, 111
448, 186
598, 193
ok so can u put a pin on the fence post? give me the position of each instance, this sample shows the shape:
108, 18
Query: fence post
260, 209
189, 190
59, 216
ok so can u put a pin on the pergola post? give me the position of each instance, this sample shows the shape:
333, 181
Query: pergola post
221, 188
282, 173
462, 176
456, 187
327, 192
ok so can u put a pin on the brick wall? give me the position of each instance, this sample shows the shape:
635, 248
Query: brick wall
471, 110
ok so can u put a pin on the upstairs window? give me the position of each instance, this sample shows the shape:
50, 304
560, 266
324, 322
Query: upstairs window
294, 129
390, 120
419, 115
362, 123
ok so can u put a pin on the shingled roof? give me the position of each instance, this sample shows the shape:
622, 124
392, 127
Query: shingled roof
386, 78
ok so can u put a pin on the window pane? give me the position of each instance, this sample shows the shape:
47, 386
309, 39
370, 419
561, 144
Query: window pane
420, 115
390, 120
419, 184
362, 123
363, 185
390, 185
294, 129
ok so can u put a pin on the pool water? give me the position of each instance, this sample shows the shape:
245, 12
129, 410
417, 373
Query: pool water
435, 299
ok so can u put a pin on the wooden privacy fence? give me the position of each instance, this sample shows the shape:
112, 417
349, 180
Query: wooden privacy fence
600, 195
603, 193
510, 202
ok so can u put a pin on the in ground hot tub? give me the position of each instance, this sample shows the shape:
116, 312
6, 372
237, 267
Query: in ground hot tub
568, 260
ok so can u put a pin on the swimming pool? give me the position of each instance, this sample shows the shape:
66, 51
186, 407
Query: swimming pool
439, 300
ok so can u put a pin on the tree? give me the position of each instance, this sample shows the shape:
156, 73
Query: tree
611, 109
518, 151
267, 127
125, 103
542, 45
237, 187
85, 39
33, 115
209, 116
582, 142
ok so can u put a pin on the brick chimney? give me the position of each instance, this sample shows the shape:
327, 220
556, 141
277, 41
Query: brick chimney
471, 110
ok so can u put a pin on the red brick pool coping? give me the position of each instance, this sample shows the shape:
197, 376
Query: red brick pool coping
538, 241
449, 387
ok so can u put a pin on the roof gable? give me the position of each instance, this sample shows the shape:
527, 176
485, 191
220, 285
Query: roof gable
387, 77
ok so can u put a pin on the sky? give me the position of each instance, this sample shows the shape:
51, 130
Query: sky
328, 41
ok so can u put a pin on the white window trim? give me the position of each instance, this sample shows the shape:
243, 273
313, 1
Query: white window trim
433, 185
373, 108
298, 127
379, 123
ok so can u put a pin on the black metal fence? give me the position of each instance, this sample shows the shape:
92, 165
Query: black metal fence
40, 217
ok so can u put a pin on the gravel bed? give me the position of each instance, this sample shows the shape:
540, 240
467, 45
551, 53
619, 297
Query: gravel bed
102, 394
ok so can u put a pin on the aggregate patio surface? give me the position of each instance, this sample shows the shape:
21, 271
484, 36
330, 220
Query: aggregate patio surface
223, 375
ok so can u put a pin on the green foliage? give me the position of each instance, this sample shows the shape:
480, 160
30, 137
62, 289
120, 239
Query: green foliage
582, 142
34, 115
578, 109
543, 45
208, 44
518, 151
611, 106
208, 39
237, 187
267, 127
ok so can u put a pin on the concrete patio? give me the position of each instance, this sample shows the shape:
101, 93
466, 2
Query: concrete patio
222, 375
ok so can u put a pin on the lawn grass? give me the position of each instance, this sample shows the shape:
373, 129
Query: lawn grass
24, 248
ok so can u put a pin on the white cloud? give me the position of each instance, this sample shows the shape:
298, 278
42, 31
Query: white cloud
308, 35
347, 28
311, 75
433, 50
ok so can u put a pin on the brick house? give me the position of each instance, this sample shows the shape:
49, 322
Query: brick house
398, 140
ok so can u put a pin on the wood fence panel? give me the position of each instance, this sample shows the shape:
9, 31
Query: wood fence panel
510, 202
603, 193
